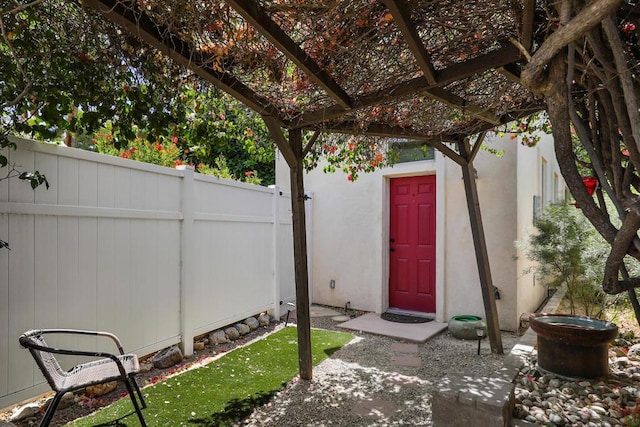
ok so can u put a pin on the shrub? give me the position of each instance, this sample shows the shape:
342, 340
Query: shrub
566, 250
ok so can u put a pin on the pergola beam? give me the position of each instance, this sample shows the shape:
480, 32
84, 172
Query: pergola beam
462, 104
402, 18
138, 23
526, 31
373, 129
253, 13
417, 86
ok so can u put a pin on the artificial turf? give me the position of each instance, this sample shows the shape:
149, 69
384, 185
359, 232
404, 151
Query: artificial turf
226, 390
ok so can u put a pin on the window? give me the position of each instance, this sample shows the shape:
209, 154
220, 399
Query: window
556, 189
411, 151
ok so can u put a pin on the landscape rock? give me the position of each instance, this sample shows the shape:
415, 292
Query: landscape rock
252, 323
264, 320
634, 352
167, 357
101, 389
218, 337
68, 399
145, 367
198, 345
26, 411
232, 333
561, 401
242, 328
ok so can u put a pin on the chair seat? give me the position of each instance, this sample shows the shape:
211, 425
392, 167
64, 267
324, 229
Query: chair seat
111, 367
97, 372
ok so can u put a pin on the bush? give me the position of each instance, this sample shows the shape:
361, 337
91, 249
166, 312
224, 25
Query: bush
568, 251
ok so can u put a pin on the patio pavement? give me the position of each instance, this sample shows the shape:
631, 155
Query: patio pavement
413, 332
372, 323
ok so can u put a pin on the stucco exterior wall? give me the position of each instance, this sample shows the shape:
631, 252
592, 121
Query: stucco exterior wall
497, 189
530, 291
350, 232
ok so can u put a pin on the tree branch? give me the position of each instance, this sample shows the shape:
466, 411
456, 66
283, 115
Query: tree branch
590, 16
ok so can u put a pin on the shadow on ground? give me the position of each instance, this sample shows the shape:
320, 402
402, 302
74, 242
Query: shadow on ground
235, 410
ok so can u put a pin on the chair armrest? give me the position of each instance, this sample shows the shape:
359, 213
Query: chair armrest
98, 354
27, 343
86, 332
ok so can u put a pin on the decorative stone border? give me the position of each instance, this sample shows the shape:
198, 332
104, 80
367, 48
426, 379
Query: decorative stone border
486, 401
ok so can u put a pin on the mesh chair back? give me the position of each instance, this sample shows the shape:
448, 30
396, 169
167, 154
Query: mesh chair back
46, 361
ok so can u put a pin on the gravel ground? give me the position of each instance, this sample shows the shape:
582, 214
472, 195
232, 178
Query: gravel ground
361, 386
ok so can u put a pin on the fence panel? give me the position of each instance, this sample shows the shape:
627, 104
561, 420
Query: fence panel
105, 248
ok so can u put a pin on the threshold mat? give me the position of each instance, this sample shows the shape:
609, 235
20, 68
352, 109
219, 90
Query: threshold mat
403, 318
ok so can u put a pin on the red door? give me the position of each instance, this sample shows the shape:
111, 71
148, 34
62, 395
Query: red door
412, 273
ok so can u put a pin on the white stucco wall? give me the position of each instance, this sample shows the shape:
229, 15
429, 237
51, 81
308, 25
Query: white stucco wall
350, 225
530, 291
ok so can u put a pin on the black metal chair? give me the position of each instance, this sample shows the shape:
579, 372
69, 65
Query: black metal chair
110, 367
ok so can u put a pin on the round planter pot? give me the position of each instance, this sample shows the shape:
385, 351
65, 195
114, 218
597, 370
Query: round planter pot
464, 326
573, 346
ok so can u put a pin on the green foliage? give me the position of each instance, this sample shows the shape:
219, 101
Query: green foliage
161, 152
66, 73
35, 179
568, 251
528, 130
223, 392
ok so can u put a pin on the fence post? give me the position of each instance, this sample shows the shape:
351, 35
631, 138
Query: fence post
276, 253
187, 237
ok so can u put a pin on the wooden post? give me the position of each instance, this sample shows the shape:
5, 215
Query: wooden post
480, 245
300, 256
293, 153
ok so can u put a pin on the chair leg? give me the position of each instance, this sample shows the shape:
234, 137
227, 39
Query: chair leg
137, 388
51, 409
132, 395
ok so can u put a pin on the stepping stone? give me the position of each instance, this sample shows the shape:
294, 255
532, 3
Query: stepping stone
407, 382
401, 347
375, 408
410, 361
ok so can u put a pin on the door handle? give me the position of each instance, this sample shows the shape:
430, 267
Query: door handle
392, 249
392, 240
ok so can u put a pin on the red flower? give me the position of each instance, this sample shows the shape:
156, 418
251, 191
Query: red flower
350, 177
352, 146
178, 162
174, 139
629, 28
248, 173
159, 147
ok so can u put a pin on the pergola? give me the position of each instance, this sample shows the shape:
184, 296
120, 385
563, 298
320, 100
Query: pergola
432, 71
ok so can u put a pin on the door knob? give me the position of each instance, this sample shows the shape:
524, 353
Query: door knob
392, 249
392, 240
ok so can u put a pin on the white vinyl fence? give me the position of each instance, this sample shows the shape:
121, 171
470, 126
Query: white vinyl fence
155, 255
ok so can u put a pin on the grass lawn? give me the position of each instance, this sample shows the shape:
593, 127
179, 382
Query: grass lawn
226, 390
